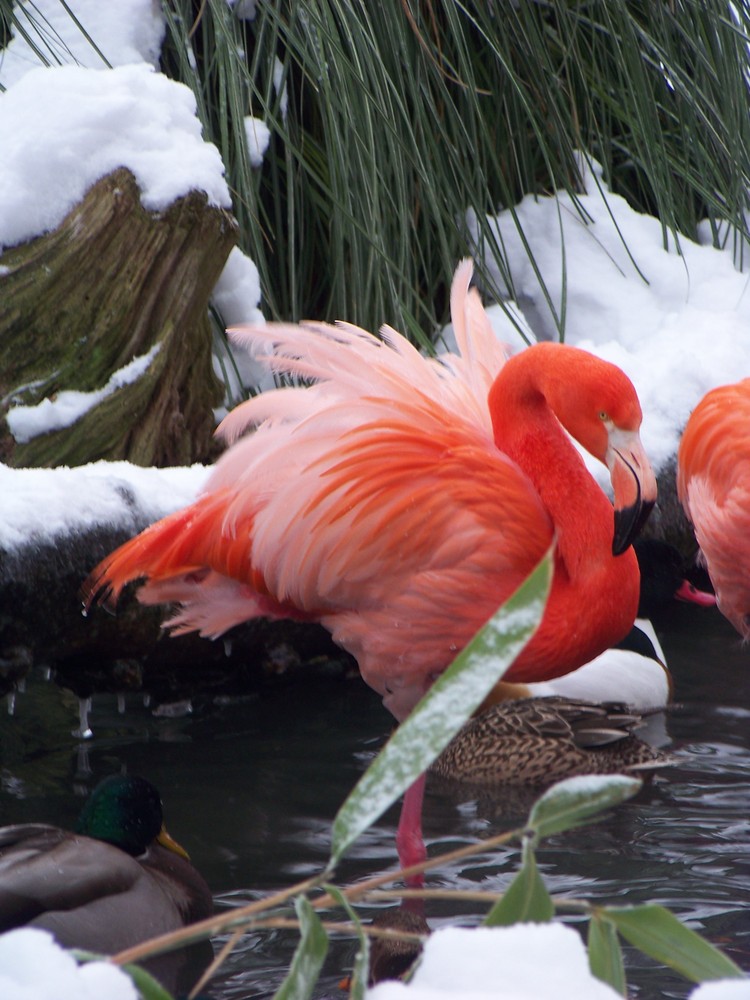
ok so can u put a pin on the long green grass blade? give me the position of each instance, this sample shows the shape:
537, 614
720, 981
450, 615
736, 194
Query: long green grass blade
441, 713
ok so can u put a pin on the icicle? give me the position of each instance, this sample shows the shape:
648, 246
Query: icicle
227, 647
11, 703
83, 765
21, 685
47, 674
83, 732
121, 703
146, 700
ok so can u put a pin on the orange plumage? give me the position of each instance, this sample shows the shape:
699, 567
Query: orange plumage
400, 500
713, 483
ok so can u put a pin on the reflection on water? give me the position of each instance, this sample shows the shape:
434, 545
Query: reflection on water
250, 789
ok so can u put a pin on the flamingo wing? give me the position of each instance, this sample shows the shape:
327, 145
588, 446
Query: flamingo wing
374, 500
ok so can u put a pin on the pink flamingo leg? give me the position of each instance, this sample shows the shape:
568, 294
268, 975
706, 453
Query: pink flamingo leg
409, 840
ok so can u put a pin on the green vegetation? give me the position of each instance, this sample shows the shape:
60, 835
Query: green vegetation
397, 128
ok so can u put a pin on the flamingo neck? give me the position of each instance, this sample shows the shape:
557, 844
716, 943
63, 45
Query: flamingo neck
527, 430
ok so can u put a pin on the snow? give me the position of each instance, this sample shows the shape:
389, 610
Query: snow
39, 504
522, 962
723, 989
674, 321
26, 422
65, 127
235, 292
34, 967
482, 963
258, 136
122, 33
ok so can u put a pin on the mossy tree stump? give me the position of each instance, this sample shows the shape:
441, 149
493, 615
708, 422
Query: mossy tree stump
81, 302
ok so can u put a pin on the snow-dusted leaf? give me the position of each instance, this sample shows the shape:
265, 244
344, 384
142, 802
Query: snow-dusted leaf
444, 709
574, 801
660, 934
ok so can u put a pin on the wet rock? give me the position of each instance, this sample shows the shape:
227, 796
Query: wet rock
41, 622
41, 615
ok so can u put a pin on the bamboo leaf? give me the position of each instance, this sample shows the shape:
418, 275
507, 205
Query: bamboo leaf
444, 709
309, 956
526, 899
660, 934
574, 801
148, 987
605, 954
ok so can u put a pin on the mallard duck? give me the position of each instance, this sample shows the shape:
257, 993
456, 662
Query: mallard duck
118, 878
537, 741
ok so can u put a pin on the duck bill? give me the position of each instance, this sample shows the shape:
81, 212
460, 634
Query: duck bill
634, 486
166, 840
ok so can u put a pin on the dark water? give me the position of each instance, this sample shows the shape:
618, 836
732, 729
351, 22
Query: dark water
250, 789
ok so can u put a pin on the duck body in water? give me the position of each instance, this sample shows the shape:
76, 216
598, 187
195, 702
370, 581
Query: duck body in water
538, 741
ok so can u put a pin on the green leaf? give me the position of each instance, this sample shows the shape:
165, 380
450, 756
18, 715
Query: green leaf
526, 899
658, 933
148, 987
360, 970
309, 956
605, 954
574, 801
444, 709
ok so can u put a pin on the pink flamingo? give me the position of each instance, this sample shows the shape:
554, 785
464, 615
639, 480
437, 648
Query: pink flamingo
400, 500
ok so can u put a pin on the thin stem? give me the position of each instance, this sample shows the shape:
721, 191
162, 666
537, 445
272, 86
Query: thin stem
245, 914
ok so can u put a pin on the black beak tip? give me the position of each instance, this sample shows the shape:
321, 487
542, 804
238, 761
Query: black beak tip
628, 524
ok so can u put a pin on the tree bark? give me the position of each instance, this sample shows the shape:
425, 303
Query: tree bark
81, 302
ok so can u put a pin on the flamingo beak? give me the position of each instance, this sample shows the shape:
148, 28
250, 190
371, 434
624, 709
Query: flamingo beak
634, 486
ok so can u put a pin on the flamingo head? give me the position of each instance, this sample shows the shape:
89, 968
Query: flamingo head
597, 404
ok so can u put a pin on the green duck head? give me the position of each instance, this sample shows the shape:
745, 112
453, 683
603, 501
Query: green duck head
126, 811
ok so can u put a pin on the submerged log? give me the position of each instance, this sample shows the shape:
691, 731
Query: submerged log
109, 285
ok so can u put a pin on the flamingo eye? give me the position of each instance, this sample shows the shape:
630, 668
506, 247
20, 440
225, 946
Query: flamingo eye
604, 416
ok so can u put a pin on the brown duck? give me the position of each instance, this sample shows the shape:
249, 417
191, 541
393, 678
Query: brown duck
537, 741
